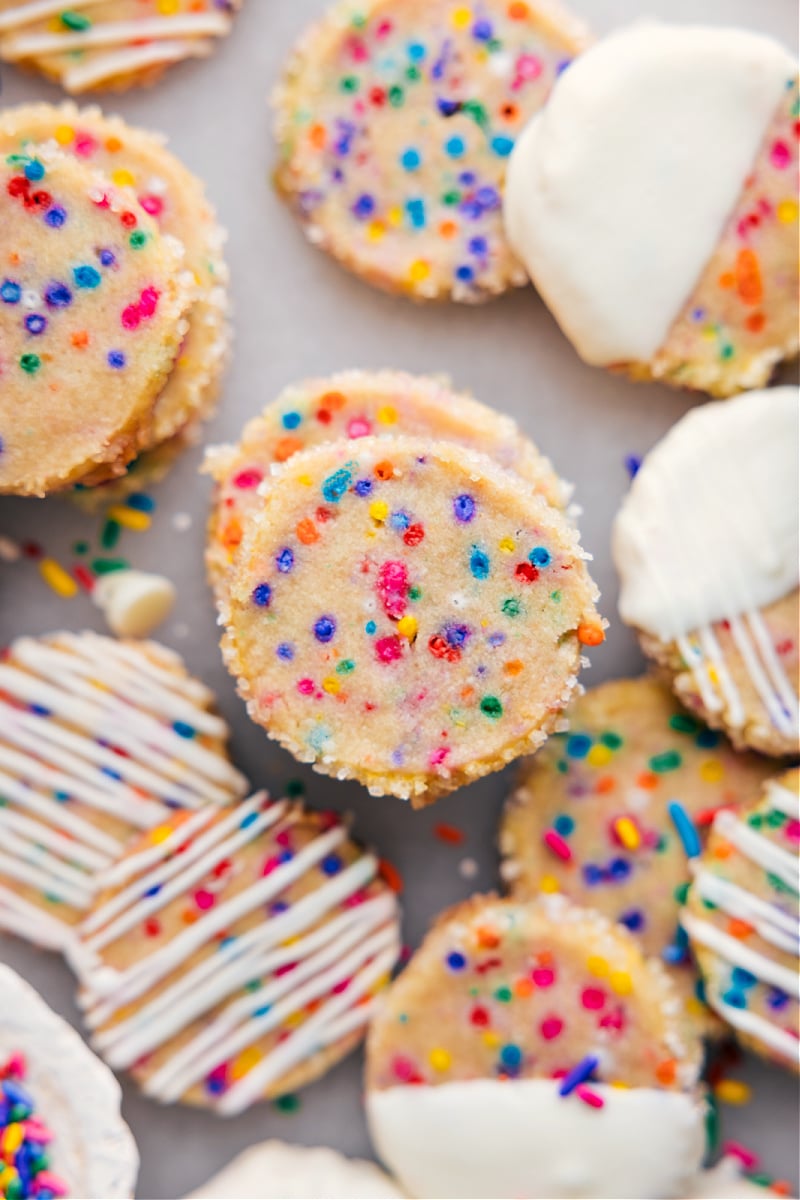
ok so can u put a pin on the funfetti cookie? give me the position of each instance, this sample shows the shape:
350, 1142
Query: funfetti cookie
530, 1050
286, 1172
406, 613
175, 199
728, 1180
60, 1125
99, 740
395, 122
115, 44
654, 204
743, 921
236, 955
357, 404
706, 546
92, 306
609, 812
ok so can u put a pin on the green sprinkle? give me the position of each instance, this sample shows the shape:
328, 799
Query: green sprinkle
295, 788
491, 707
776, 819
414, 593
451, 198
109, 535
683, 723
137, 239
349, 84
80, 548
413, 73
612, 740
287, 1104
556, 596
396, 96
669, 761
503, 994
726, 352
30, 363
512, 607
104, 566
562, 766
474, 109
712, 1123
681, 892
76, 21
345, 666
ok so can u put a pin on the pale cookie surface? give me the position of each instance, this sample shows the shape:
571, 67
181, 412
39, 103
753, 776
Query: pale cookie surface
286, 1172
593, 814
668, 154
706, 546
91, 305
115, 44
311, 934
98, 740
492, 1064
395, 122
406, 613
357, 404
743, 921
65, 1091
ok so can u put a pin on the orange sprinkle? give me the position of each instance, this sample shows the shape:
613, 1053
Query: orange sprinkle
647, 779
518, 11
739, 929
509, 111
782, 1187
285, 447
514, 667
231, 535
488, 938
384, 469
307, 531
544, 958
756, 322
666, 1071
317, 136
726, 280
448, 229
748, 277
591, 634
113, 145
448, 833
333, 401
605, 784
467, 693
723, 850
523, 988
391, 876
80, 339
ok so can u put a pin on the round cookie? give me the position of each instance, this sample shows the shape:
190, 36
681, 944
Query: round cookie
92, 300
286, 1172
594, 814
99, 740
529, 1049
395, 121
706, 546
728, 1181
743, 922
407, 614
60, 1125
356, 404
664, 239
114, 44
236, 955
176, 201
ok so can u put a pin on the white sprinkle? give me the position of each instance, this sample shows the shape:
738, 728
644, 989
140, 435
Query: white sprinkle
181, 522
468, 868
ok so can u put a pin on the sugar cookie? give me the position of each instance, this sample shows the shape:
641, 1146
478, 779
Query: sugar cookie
529, 1049
594, 814
654, 205
706, 545
98, 740
407, 614
729, 1181
310, 935
395, 121
285, 1172
742, 919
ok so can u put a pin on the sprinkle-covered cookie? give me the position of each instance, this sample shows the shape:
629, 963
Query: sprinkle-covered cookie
407, 614
665, 240
98, 740
610, 811
529, 1049
288, 1172
174, 198
706, 546
115, 44
357, 404
236, 955
92, 300
743, 921
395, 122
61, 1132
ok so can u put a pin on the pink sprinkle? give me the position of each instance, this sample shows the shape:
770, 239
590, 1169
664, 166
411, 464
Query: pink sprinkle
341, 987
384, 29
792, 831
780, 155
528, 66
148, 301
392, 588
589, 1097
438, 756
403, 1068
204, 899
612, 1020
84, 145
543, 977
153, 205
555, 842
131, 316
285, 969
16, 1065
746, 1157
305, 687
359, 427
35, 1131
270, 865
389, 649
249, 478
551, 1027
592, 997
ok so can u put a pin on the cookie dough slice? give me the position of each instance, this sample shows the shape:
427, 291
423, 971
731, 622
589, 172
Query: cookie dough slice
742, 919
114, 44
176, 201
98, 740
276, 1169
654, 205
706, 546
60, 1121
609, 813
92, 306
529, 1049
357, 404
234, 956
395, 121
407, 613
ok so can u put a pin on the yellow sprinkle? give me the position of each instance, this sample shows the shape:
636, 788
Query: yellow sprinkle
57, 578
167, 7
712, 675
379, 510
461, 17
387, 415
627, 833
294, 1020
709, 333
13, 1138
419, 270
597, 965
332, 685
711, 771
304, 480
508, 544
8, 1176
732, 1091
376, 230
64, 134
160, 833
123, 178
599, 756
395, 216
619, 1085
787, 211
129, 518
407, 627
245, 1062
695, 1007
621, 983
440, 1060
491, 1039
549, 884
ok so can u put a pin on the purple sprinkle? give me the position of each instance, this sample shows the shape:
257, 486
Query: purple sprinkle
578, 1075
324, 628
632, 464
464, 508
261, 595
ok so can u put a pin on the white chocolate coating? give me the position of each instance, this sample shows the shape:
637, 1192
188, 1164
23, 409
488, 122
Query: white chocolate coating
76, 1095
726, 1181
519, 1139
619, 191
277, 1171
134, 602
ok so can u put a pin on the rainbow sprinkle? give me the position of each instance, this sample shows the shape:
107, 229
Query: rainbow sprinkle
24, 1160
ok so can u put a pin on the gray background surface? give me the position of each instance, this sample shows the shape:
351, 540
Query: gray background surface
297, 314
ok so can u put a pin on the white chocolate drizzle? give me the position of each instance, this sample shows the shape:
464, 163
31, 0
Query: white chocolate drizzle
359, 945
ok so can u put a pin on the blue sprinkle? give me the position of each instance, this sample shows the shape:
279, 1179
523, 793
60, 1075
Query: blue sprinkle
502, 145
110, 773
400, 520
55, 216
456, 635
370, 628
496, 639
263, 1010
578, 745
183, 729
107, 258
261, 595
592, 874
416, 51
284, 560
35, 324
482, 31
455, 146
734, 998
707, 739
578, 1075
478, 245
248, 820
34, 170
777, 999
464, 508
116, 359
511, 1056
564, 824
479, 563
364, 207
10, 292
331, 865
141, 502
467, 178
86, 277
743, 978
410, 159
465, 273
153, 891
685, 827
632, 919
291, 420
619, 869
57, 295
285, 651
415, 210
675, 955
363, 487
324, 628
448, 108
456, 961
632, 464
539, 556
335, 486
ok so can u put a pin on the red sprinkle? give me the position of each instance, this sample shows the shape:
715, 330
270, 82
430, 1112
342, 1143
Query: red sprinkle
448, 833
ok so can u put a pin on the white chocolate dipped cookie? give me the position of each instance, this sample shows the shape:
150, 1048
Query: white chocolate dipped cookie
706, 546
530, 1050
236, 955
728, 1180
61, 1129
279, 1171
654, 204
743, 921
99, 740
